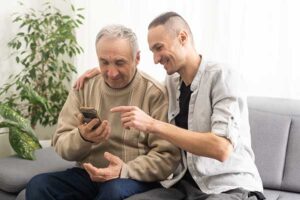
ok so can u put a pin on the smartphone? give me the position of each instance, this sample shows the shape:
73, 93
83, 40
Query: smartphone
90, 113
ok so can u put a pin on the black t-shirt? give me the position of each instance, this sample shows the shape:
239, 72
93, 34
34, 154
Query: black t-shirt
181, 119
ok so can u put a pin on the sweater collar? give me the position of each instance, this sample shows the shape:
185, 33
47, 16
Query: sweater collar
119, 92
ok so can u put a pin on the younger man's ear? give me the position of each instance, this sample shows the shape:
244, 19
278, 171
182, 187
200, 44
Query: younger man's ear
183, 37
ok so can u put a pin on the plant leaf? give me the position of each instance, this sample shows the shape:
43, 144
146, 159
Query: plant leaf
33, 96
5, 123
14, 119
23, 144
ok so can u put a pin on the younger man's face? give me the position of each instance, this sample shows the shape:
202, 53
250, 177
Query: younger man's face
166, 48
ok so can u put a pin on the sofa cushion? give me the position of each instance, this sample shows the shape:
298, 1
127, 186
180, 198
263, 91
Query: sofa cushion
7, 196
280, 195
269, 140
291, 177
271, 194
16, 172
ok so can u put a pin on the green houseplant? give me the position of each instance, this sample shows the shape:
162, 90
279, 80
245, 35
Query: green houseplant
44, 46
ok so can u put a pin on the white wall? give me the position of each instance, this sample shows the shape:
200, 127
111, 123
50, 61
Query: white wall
136, 15
261, 38
6, 31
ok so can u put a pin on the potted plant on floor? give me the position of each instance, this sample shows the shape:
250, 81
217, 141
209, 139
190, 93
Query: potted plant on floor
44, 46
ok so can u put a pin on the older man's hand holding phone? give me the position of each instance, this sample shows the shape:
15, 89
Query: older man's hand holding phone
92, 128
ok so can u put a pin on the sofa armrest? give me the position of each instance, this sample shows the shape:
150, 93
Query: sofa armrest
16, 172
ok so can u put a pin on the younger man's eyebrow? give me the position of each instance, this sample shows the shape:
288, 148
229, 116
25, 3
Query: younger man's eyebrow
155, 46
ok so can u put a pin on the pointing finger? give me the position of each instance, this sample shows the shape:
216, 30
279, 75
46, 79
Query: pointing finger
121, 109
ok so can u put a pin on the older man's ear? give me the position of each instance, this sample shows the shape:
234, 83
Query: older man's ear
138, 57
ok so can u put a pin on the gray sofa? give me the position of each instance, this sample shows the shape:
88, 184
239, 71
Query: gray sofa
16, 172
275, 128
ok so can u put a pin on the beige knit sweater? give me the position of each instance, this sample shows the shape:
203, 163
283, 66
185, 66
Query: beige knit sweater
147, 157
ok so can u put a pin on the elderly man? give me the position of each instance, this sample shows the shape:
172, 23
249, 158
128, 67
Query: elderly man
113, 162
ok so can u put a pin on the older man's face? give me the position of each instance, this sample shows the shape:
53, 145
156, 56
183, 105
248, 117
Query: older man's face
117, 63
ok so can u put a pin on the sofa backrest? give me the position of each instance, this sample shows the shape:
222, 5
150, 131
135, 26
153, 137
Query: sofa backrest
275, 130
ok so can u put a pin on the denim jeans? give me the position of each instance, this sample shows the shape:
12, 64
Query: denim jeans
75, 183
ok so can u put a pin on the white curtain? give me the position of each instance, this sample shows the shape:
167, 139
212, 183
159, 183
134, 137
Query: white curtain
259, 37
